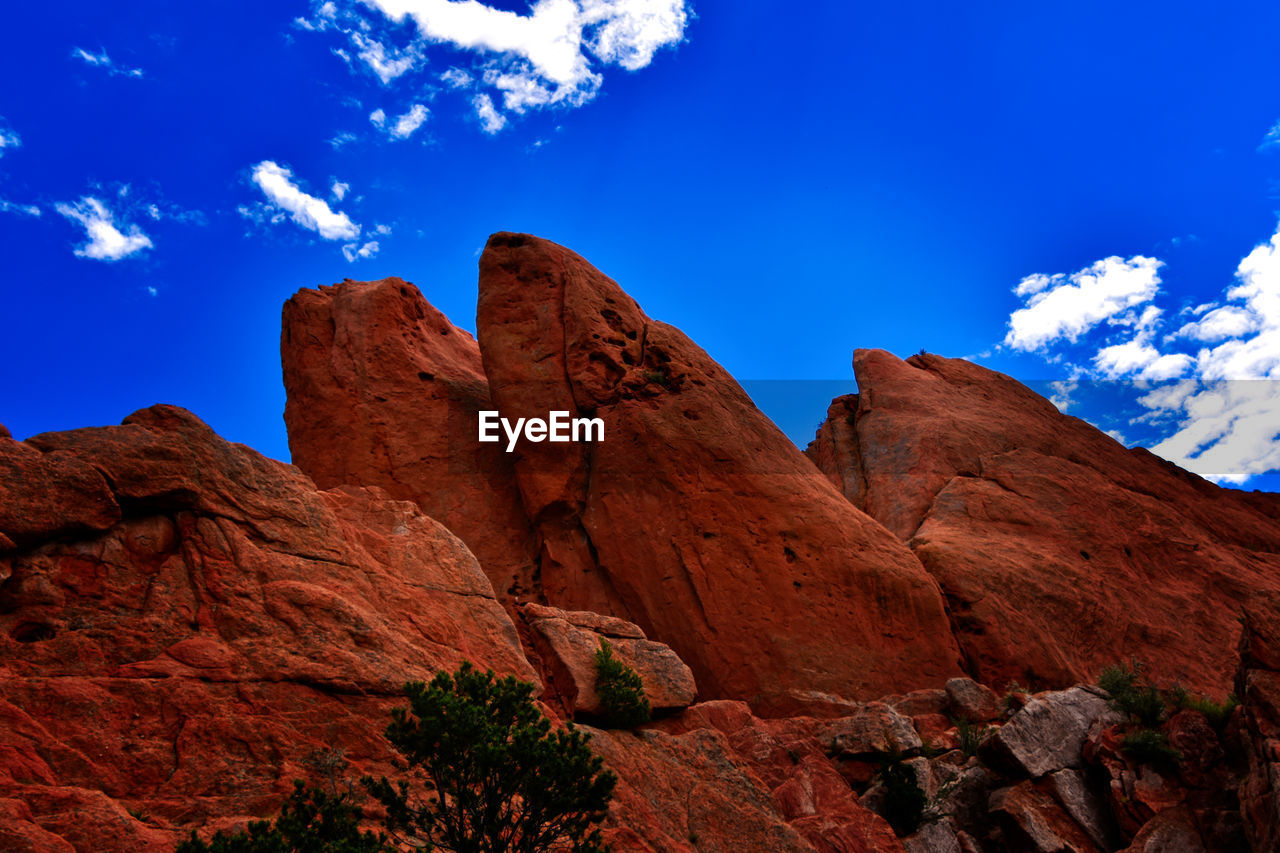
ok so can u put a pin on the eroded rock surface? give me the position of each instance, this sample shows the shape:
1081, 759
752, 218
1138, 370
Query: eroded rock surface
1059, 550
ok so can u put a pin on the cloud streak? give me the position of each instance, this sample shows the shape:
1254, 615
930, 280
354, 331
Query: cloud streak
103, 61
314, 214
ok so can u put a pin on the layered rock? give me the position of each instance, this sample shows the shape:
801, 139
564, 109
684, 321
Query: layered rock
181, 667
1059, 551
384, 391
695, 517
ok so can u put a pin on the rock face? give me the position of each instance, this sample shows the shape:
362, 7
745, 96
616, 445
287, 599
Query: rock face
384, 391
1059, 551
695, 518
181, 667
1258, 686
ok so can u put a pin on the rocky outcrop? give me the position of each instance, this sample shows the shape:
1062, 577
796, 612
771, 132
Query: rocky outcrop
384, 391
572, 639
1059, 551
181, 667
695, 518
1258, 685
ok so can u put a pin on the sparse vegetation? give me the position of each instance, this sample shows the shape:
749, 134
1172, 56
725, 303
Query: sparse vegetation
657, 377
971, 736
1148, 746
494, 775
1132, 694
1217, 713
311, 821
622, 701
903, 804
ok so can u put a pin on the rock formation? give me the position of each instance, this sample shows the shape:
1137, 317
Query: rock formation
695, 518
1059, 550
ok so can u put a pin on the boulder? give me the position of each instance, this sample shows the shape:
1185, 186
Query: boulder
1049, 732
972, 701
695, 517
574, 637
1059, 550
1037, 823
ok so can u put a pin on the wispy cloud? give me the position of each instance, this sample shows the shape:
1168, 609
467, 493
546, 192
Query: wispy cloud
1272, 139
491, 121
103, 61
8, 138
20, 209
106, 240
402, 126
278, 185
354, 252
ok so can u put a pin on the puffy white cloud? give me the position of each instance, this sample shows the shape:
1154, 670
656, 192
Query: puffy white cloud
1139, 359
550, 55
1066, 306
491, 121
402, 126
103, 61
106, 242
314, 214
1229, 430
339, 190
354, 252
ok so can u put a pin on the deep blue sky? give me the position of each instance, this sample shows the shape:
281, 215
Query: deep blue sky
785, 184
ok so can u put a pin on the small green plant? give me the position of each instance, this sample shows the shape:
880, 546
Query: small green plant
971, 736
1147, 746
1132, 694
622, 701
657, 377
903, 805
310, 822
1217, 713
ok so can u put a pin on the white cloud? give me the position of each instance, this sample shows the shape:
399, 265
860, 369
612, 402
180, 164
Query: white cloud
456, 78
102, 60
342, 139
8, 139
491, 120
1062, 392
1066, 306
106, 241
276, 182
20, 209
1230, 431
339, 190
382, 229
550, 55
402, 126
1272, 139
354, 252
386, 63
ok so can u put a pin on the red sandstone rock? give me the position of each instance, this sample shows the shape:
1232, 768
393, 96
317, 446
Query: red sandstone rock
384, 391
695, 517
1059, 551
1258, 685
574, 637
43, 495
179, 668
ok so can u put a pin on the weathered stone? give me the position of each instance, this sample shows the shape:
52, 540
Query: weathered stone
1050, 730
1171, 831
1038, 823
972, 701
569, 635
695, 517
876, 729
1043, 531
1087, 809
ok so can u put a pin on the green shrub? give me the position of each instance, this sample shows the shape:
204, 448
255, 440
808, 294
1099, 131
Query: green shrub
497, 778
1217, 713
903, 805
971, 736
310, 822
1133, 695
1147, 746
623, 704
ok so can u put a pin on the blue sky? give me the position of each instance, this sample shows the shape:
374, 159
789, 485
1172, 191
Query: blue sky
1071, 193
